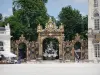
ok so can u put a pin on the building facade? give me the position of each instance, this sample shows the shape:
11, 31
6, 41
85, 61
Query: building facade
5, 38
94, 30
5, 44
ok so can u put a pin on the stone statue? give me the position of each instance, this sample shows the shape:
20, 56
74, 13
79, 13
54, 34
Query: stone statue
77, 37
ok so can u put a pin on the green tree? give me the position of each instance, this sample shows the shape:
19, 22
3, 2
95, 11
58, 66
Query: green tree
72, 20
84, 27
1, 20
30, 13
16, 27
27, 14
1, 17
85, 23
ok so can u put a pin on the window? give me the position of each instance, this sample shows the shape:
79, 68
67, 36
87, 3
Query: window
95, 3
1, 46
96, 14
96, 23
97, 50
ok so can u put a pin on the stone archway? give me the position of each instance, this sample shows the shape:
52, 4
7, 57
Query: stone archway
22, 51
51, 31
22, 40
78, 47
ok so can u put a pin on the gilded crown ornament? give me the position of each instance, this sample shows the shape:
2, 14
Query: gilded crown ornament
22, 38
39, 28
50, 27
61, 27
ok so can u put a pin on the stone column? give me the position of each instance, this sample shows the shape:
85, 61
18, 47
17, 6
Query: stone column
73, 53
63, 51
91, 54
17, 52
60, 49
27, 52
40, 47
41, 51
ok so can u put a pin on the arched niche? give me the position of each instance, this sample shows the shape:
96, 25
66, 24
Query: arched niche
78, 46
23, 41
96, 13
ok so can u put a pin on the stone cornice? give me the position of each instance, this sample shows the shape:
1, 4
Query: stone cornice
3, 37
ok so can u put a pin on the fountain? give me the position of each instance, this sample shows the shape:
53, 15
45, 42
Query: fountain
50, 52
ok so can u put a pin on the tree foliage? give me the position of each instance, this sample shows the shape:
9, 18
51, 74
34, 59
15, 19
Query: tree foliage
1, 17
32, 12
73, 22
84, 27
27, 14
1, 20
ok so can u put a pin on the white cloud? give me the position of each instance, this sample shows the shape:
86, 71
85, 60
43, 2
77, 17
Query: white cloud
8, 13
5, 15
10, 10
83, 13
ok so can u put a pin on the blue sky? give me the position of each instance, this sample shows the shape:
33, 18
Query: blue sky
53, 6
